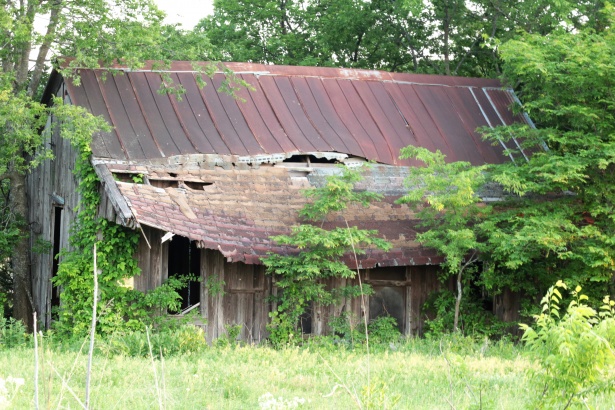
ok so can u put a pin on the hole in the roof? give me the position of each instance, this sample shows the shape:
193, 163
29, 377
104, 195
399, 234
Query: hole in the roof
163, 183
131, 177
197, 185
309, 159
172, 174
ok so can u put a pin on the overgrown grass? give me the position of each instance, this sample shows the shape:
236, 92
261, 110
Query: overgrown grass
453, 372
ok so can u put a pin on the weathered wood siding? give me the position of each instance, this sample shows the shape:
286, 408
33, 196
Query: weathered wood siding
153, 260
242, 299
424, 280
52, 178
400, 292
507, 307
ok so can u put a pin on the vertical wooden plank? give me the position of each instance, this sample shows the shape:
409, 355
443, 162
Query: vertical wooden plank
164, 261
266, 304
408, 310
204, 308
141, 282
318, 314
154, 275
219, 272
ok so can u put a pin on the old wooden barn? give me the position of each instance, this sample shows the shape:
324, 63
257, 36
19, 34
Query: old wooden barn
219, 176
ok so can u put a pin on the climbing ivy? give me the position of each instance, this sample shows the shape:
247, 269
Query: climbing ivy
120, 307
300, 277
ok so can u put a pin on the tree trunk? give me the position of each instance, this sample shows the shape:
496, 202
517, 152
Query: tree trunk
22, 281
458, 301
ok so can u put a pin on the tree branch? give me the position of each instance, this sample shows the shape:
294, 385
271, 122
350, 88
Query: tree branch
39, 66
25, 47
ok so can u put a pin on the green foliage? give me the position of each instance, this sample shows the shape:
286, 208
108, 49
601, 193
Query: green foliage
383, 330
474, 320
13, 333
215, 286
454, 206
560, 215
20, 121
120, 308
9, 233
349, 329
177, 340
452, 37
230, 339
575, 349
300, 277
452, 213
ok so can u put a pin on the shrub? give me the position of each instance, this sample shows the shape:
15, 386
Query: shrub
381, 330
576, 352
473, 321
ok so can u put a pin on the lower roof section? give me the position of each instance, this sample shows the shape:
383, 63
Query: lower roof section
235, 207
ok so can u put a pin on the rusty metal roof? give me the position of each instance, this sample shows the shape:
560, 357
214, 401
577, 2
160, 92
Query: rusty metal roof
212, 164
362, 113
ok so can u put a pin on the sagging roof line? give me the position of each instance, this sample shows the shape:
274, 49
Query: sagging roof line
218, 159
489, 123
504, 122
307, 115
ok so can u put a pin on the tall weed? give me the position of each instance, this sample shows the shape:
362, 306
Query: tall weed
13, 333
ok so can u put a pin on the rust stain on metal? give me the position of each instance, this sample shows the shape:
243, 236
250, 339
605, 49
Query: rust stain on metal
363, 113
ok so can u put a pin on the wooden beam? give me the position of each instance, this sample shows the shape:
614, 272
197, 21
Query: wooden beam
113, 193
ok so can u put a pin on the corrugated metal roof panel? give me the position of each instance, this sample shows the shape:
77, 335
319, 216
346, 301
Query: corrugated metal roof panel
291, 110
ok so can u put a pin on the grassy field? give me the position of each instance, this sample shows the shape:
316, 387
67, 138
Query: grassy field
412, 375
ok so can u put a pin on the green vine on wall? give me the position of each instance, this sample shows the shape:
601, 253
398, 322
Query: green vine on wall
121, 307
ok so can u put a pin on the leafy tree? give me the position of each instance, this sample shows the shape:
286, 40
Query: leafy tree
452, 37
561, 216
93, 32
300, 277
450, 211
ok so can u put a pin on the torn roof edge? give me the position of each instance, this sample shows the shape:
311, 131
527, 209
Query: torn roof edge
222, 160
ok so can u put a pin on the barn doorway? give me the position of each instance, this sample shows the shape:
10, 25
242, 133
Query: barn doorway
55, 259
185, 260
390, 286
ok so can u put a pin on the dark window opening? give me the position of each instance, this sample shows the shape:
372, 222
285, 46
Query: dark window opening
57, 237
388, 301
309, 159
184, 260
305, 320
389, 297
